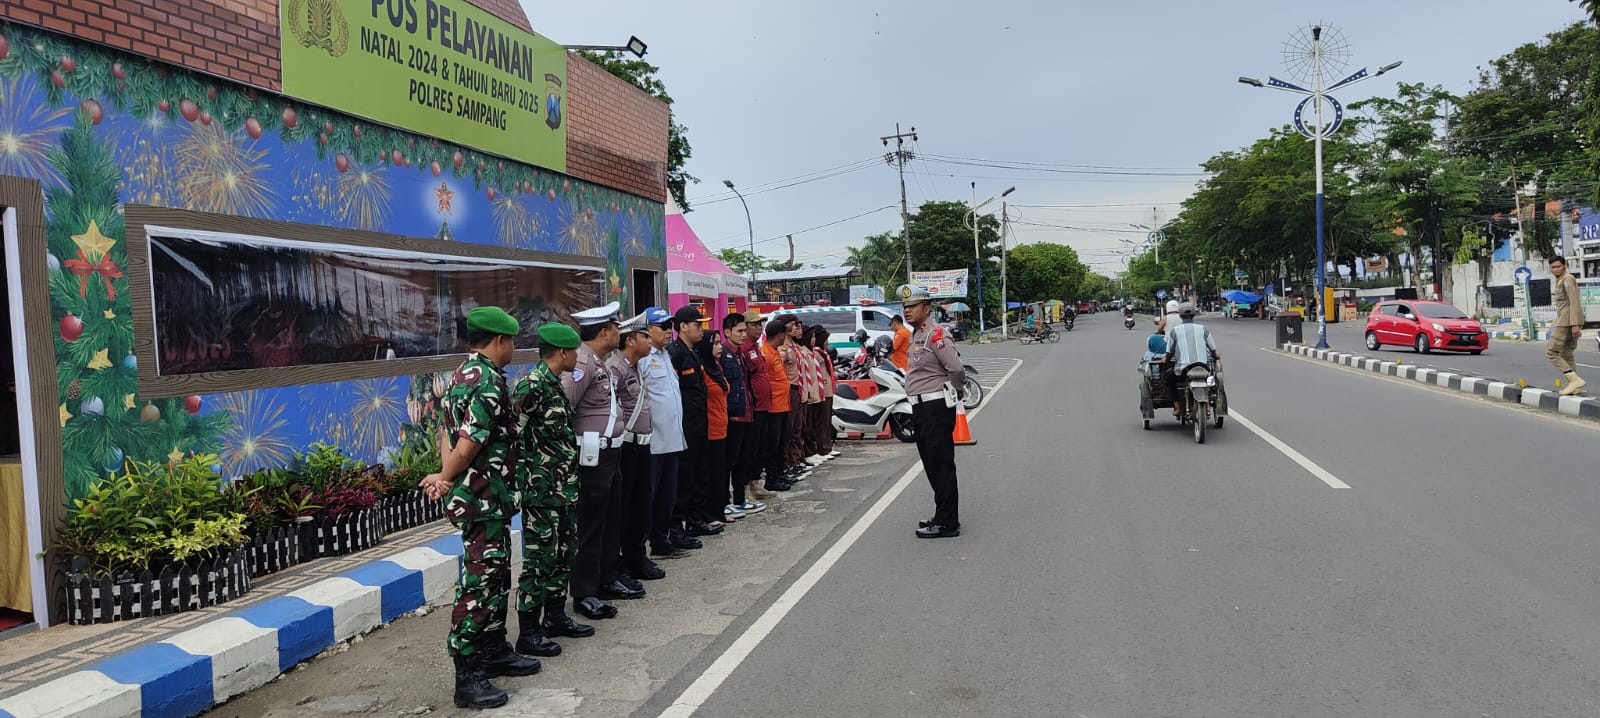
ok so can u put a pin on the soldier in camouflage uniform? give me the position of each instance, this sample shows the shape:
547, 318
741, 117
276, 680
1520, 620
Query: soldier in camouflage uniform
479, 450
547, 471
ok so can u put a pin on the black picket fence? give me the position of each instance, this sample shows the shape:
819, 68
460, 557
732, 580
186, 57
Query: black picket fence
340, 535
174, 589
408, 510
274, 551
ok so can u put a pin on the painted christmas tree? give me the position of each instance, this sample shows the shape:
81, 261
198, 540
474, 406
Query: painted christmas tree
103, 422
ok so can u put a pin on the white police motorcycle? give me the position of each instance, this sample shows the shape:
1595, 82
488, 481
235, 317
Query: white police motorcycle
889, 409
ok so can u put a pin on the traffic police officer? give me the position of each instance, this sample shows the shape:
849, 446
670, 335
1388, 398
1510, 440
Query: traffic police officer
637, 495
477, 474
548, 473
592, 391
931, 382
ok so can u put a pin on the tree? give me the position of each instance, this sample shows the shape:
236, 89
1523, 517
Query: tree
642, 75
940, 240
743, 261
1044, 271
1592, 7
103, 422
879, 259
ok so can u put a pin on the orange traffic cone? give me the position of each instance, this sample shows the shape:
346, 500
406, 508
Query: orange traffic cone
962, 435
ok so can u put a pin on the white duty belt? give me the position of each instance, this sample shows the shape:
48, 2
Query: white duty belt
930, 396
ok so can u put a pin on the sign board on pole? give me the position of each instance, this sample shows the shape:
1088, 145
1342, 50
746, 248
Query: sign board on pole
865, 292
1523, 274
442, 68
942, 283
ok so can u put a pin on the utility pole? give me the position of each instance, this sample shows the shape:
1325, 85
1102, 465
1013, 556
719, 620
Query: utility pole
977, 263
791, 250
1005, 225
899, 157
1522, 246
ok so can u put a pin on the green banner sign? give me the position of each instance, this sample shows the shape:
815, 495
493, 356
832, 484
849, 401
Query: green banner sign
441, 68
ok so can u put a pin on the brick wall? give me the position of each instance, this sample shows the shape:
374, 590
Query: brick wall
616, 134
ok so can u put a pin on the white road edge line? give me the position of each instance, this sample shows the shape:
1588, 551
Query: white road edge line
703, 687
1295, 456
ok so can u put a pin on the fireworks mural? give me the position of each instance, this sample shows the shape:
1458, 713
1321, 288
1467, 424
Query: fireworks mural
153, 134
28, 130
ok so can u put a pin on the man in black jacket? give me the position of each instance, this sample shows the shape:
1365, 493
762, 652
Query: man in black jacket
693, 484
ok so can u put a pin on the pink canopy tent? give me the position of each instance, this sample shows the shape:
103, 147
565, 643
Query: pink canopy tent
695, 275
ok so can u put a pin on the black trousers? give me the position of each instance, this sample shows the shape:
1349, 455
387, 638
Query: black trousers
691, 480
936, 425
638, 482
774, 432
741, 434
714, 490
663, 497
599, 521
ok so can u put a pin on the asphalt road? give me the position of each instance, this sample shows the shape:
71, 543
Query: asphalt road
1505, 360
1105, 570
1109, 571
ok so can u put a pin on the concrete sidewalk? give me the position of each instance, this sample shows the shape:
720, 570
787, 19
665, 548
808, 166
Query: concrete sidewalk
1584, 407
183, 664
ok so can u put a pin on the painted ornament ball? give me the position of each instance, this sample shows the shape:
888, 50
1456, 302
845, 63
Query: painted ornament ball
290, 117
149, 414
114, 459
92, 108
130, 362
191, 404
71, 327
92, 406
53, 262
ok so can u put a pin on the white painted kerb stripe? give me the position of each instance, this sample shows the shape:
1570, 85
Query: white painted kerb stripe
1295, 456
700, 691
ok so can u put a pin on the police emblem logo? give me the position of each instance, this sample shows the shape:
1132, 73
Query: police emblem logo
577, 374
905, 291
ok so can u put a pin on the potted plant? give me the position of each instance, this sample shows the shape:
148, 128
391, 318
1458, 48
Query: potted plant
153, 540
345, 517
404, 505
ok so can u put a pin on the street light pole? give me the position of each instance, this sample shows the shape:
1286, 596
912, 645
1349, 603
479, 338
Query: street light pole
972, 221
1005, 223
1315, 96
752, 229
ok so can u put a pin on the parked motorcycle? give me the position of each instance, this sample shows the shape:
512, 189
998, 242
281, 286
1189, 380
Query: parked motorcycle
869, 357
889, 409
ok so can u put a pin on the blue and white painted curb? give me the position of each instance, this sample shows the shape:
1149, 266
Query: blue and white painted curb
1516, 334
1542, 399
193, 671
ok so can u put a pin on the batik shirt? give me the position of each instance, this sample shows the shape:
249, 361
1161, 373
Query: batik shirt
476, 407
547, 469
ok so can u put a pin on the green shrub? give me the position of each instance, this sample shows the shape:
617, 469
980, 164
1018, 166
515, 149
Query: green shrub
152, 514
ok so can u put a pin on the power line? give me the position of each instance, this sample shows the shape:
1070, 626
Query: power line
1056, 164
810, 229
795, 181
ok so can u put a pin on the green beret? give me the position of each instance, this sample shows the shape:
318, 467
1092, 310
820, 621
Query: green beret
493, 320
558, 335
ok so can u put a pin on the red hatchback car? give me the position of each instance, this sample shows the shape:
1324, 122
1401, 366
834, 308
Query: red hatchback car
1424, 326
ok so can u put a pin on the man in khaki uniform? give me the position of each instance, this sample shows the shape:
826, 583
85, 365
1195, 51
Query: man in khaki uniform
1568, 326
932, 384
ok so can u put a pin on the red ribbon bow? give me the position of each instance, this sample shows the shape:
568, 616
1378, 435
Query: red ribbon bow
107, 270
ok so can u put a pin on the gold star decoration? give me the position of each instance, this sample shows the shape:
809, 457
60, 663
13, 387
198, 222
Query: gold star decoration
92, 243
176, 455
445, 195
127, 402
65, 415
101, 360
110, 314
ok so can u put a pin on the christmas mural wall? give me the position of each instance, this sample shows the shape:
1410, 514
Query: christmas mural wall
99, 129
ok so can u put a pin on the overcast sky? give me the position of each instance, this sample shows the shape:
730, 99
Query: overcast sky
788, 91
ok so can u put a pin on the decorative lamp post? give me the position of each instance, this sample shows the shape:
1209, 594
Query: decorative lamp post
1312, 54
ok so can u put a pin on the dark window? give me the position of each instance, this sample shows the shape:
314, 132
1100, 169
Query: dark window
843, 322
877, 321
1389, 309
223, 302
1440, 311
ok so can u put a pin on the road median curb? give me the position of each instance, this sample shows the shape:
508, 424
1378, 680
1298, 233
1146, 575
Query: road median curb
198, 669
1541, 399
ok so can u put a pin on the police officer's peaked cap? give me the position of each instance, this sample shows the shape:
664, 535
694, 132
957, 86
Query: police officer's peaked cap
913, 293
558, 335
597, 315
635, 323
493, 320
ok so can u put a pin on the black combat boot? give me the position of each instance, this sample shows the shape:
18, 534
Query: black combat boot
558, 623
500, 660
531, 640
473, 689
